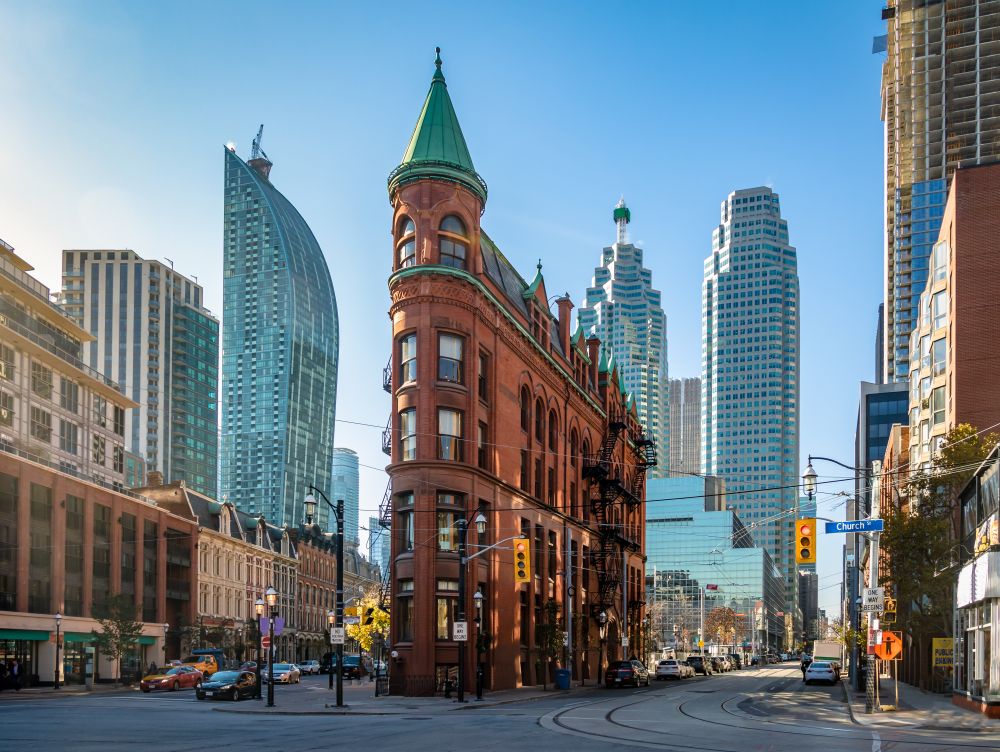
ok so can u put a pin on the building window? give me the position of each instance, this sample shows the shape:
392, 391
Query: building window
41, 380
41, 424
939, 309
6, 363
551, 486
408, 244
525, 482
408, 359
447, 539
118, 459
925, 351
483, 447
405, 600
939, 353
937, 406
68, 440
100, 411
574, 444
408, 434
483, 377
447, 612
538, 477
405, 516
6, 409
69, 395
540, 422
449, 434
941, 260
525, 409
119, 420
97, 454
553, 431
454, 243
450, 358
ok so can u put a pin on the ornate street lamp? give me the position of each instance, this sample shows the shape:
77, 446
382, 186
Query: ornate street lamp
602, 628
58, 624
271, 596
331, 620
478, 598
259, 606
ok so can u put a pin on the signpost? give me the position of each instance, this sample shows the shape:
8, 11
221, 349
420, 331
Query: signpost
856, 526
873, 600
265, 642
460, 631
943, 652
337, 636
891, 647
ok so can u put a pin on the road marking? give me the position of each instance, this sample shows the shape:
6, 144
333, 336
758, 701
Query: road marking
876, 742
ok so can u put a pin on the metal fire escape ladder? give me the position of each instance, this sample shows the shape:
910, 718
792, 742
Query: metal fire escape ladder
607, 557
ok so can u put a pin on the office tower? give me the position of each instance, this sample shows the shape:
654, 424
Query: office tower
279, 350
623, 310
750, 371
379, 545
153, 336
685, 426
939, 107
880, 345
699, 550
879, 408
345, 486
55, 409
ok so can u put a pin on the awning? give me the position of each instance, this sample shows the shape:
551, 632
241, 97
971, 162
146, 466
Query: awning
144, 640
38, 635
78, 637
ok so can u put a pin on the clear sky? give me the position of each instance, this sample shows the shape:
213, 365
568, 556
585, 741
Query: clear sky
115, 114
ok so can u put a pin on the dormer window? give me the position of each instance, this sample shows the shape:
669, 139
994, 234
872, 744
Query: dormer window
407, 243
454, 242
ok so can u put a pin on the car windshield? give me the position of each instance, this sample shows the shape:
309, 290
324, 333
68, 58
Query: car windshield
226, 676
177, 670
820, 664
282, 666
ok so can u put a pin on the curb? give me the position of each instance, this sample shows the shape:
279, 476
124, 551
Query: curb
905, 724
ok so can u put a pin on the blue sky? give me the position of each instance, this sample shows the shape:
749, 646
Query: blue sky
115, 115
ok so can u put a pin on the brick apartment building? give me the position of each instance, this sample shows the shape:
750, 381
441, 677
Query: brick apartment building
500, 407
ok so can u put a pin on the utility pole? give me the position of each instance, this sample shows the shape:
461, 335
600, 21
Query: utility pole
340, 600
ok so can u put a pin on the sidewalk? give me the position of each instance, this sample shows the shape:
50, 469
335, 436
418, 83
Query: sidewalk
361, 700
917, 709
72, 690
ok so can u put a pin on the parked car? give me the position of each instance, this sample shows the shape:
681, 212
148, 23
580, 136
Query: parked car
228, 685
178, 677
670, 669
284, 673
701, 664
620, 673
736, 660
353, 667
309, 667
204, 662
719, 664
821, 671
248, 666
687, 669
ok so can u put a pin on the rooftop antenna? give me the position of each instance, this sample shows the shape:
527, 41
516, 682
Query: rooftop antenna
255, 150
622, 217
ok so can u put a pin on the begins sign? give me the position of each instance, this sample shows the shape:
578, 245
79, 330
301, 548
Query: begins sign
942, 652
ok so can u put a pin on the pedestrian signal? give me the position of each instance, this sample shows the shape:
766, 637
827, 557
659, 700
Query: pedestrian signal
805, 536
369, 616
522, 560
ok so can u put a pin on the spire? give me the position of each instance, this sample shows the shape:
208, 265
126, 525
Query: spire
437, 148
622, 217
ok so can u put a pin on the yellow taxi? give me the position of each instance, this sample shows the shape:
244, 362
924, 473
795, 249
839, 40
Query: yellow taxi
206, 664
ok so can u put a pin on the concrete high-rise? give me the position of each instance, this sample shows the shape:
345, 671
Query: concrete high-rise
345, 486
279, 350
685, 426
750, 371
154, 337
941, 109
623, 310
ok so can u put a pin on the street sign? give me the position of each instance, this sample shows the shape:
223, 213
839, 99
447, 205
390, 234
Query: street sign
942, 648
460, 631
624, 642
265, 642
352, 620
873, 600
891, 646
337, 636
856, 526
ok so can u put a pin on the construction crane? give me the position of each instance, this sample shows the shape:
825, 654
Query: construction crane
256, 151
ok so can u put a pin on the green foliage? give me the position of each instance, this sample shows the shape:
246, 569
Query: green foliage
366, 634
847, 635
963, 450
120, 630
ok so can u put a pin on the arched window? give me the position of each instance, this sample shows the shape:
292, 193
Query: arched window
585, 451
540, 422
525, 409
553, 431
407, 243
574, 444
453, 241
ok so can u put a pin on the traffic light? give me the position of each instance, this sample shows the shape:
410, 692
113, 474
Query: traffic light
805, 536
369, 616
522, 560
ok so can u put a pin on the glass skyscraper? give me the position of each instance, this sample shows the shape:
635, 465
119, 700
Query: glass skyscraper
345, 486
624, 311
280, 348
750, 371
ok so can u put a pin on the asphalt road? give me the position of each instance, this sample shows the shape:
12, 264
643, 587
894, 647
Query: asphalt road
744, 711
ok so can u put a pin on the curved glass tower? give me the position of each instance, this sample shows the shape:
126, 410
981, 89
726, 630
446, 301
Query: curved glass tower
280, 346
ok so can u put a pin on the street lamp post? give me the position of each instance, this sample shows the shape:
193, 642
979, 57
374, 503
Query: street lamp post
310, 509
259, 606
331, 619
602, 628
271, 596
463, 560
478, 598
55, 685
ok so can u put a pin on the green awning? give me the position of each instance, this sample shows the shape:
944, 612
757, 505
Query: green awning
144, 640
39, 635
78, 637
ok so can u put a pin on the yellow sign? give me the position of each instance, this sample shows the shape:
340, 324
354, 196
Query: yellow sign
942, 652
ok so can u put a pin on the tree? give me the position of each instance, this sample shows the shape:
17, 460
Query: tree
120, 631
962, 451
724, 623
374, 621
846, 634
549, 638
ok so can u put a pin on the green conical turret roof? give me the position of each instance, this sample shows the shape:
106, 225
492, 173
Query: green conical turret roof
437, 148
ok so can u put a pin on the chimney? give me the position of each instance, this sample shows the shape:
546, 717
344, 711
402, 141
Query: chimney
565, 306
593, 352
154, 478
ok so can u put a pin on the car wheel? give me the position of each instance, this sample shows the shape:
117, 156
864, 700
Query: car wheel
145, 691
235, 697
174, 686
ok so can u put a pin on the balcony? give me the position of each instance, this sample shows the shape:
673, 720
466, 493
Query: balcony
387, 438
387, 376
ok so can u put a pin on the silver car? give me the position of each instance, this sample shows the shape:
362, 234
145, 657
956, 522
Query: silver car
284, 673
309, 667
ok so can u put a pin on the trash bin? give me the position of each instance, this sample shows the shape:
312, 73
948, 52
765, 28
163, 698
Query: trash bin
562, 678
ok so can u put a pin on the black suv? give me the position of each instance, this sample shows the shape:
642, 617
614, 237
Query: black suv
736, 660
700, 665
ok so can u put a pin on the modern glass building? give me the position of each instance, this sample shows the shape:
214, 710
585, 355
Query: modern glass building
345, 486
880, 407
280, 349
685, 426
379, 545
153, 335
624, 311
699, 550
750, 371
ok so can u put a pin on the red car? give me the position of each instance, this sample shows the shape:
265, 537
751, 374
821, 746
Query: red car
178, 677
